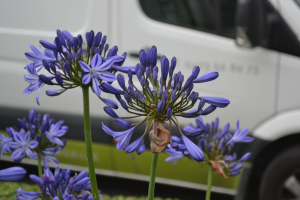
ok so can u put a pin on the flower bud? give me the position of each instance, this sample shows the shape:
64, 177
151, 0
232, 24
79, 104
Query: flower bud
59, 80
160, 106
61, 38
58, 44
164, 62
165, 95
160, 90
123, 104
97, 39
80, 41
173, 96
155, 76
142, 57
121, 81
45, 79
103, 41
153, 56
110, 112
142, 82
130, 75
75, 43
195, 72
139, 74
46, 65
209, 76
141, 149
51, 92
169, 113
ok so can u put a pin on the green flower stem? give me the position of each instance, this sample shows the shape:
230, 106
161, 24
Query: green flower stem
88, 142
152, 176
40, 169
209, 182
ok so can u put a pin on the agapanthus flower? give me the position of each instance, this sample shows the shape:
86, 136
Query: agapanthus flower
38, 136
216, 145
12, 174
59, 185
160, 100
68, 66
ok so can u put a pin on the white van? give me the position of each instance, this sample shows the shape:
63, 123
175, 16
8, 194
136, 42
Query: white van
262, 82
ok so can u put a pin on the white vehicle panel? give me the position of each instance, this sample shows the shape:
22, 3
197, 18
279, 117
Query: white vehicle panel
289, 87
26, 27
290, 12
247, 76
279, 126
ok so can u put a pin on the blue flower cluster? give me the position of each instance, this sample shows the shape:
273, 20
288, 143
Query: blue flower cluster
38, 136
215, 144
59, 185
68, 66
159, 100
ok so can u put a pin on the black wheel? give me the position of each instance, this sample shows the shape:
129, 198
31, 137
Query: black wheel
281, 180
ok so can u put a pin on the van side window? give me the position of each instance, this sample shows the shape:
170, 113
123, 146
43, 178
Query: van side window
213, 16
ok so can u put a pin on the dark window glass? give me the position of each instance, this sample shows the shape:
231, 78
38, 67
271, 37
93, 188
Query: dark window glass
213, 16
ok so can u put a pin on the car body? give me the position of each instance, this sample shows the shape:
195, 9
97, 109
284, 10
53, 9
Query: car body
262, 83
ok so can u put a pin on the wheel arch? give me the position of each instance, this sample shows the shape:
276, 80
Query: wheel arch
264, 157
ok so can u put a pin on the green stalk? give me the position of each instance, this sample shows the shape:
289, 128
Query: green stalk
152, 176
40, 169
209, 182
88, 142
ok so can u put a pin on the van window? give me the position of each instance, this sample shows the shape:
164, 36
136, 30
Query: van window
213, 16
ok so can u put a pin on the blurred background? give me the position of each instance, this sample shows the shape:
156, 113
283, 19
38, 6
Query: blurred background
253, 44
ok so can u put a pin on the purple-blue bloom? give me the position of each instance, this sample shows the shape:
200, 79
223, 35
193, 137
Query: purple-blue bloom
70, 67
216, 146
160, 100
33, 79
37, 137
97, 71
60, 184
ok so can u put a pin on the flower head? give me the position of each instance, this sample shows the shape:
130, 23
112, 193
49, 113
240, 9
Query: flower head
59, 185
68, 66
37, 137
215, 144
159, 100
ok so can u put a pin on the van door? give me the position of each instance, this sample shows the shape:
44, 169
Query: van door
200, 33
26, 22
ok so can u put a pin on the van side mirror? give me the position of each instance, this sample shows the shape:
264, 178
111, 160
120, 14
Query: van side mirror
250, 23
259, 24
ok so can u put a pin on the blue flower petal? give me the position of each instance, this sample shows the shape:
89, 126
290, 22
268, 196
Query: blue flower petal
96, 61
193, 149
110, 112
216, 101
123, 122
12, 174
110, 103
134, 145
125, 69
209, 76
107, 76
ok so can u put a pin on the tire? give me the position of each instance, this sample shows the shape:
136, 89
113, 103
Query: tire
281, 179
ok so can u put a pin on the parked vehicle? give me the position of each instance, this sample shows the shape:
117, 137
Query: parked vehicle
253, 44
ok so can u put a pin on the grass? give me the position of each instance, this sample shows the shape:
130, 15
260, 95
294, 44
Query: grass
7, 192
